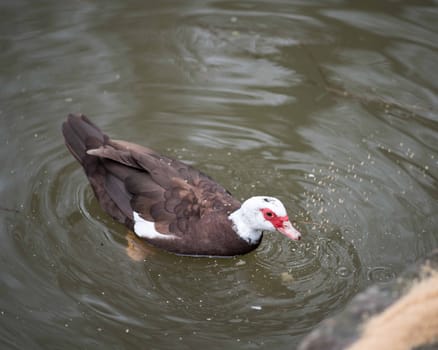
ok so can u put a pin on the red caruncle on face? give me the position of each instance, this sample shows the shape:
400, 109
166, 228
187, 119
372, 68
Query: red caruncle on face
273, 218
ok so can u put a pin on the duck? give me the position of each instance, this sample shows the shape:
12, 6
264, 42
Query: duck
167, 203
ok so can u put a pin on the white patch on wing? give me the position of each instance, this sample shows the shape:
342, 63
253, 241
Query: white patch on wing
146, 229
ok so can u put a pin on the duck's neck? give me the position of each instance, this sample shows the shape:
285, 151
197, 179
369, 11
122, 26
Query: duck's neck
242, 226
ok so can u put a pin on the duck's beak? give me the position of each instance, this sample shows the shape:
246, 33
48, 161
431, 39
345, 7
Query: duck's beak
289, 231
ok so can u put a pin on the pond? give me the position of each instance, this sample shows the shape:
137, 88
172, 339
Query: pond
331, 106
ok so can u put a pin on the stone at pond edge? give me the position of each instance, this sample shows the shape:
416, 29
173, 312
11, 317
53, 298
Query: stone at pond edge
342, 331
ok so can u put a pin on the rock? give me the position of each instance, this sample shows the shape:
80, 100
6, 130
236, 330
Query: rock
401, 315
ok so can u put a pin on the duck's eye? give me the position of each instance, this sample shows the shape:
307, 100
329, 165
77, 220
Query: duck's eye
268, 214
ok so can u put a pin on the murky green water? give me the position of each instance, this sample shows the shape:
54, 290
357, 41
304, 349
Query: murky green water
330, 106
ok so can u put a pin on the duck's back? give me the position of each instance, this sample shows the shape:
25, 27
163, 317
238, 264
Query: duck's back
168, 203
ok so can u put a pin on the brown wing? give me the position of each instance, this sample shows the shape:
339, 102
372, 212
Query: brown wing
174, 195
127, 177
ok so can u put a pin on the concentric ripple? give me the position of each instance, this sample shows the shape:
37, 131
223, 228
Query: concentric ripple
86, 252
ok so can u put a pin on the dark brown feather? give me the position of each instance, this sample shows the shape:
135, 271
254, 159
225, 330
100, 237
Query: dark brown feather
179, 199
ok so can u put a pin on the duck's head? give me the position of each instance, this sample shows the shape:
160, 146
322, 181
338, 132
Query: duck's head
262, 213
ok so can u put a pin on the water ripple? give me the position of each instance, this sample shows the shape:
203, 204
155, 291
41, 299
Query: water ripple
230, 87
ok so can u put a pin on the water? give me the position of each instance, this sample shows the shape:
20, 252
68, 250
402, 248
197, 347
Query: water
329, 106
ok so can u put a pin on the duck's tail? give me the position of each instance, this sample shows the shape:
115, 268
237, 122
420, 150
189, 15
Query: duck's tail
80, 135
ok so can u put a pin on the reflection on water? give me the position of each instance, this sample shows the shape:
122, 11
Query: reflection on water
330, 107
